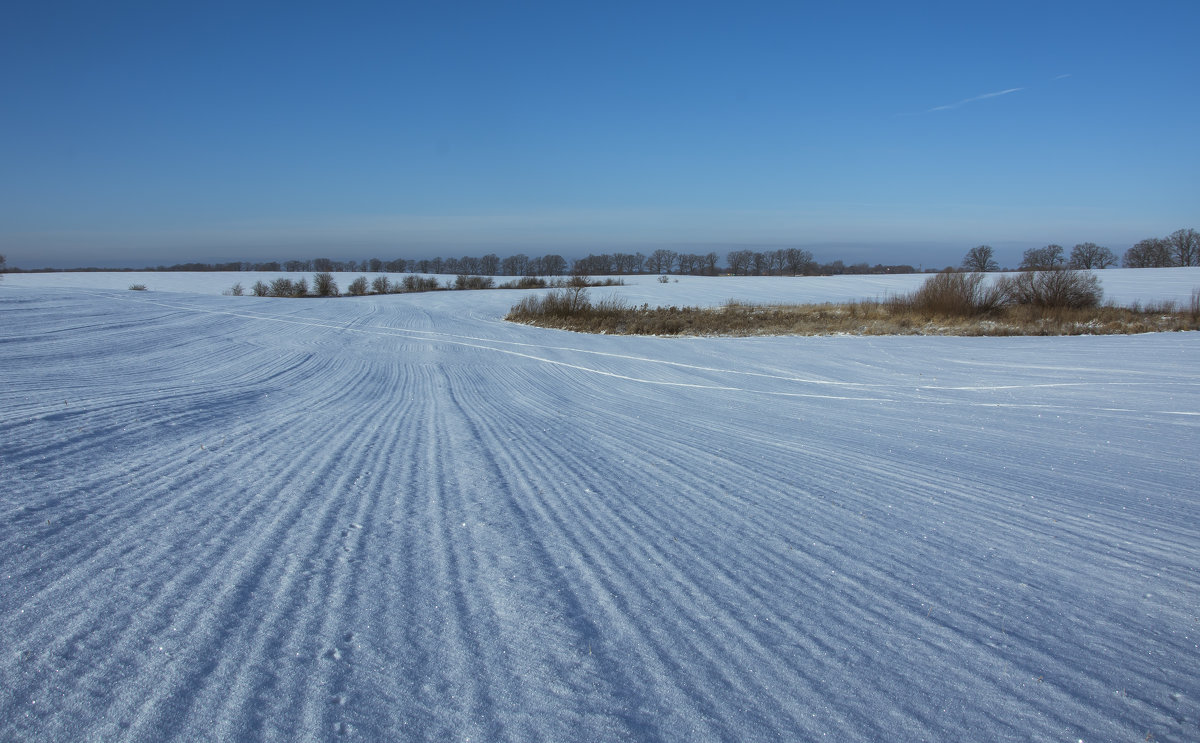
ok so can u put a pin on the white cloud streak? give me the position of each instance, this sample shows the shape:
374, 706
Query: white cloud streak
965, 101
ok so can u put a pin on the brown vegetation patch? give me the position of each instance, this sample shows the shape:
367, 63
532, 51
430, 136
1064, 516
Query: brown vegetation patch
942, 307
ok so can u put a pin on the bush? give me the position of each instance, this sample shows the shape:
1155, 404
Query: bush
234, 291
324, 285
1054, 288
558, 304
358, 287
525, 282
381, 285
953, 294
473, 282
282, 287
260, 289
137, 287
300, 288
413, 283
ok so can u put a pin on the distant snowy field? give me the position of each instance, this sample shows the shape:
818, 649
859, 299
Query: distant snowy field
1122, 286
401, 518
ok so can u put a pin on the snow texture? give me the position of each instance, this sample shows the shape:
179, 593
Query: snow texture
401, 518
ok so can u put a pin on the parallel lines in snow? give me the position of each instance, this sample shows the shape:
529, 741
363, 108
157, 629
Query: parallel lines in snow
326, 520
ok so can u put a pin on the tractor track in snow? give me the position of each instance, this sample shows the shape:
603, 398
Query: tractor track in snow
381, 520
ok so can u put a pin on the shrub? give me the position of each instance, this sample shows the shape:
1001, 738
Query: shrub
282, 287
558, 304
663, 279
473, 282
381, 285
300, 288
234, 291
137, 287
260, 289
953, 294
358, 287
1054, 288
324, 285
413, 283
525, 282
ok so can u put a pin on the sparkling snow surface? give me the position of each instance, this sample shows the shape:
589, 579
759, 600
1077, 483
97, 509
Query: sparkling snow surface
401, 518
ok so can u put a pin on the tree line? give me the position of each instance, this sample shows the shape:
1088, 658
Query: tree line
1180, 248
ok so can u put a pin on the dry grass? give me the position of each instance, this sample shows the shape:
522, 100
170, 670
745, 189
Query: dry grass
555, 310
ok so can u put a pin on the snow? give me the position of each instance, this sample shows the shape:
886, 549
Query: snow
401, 518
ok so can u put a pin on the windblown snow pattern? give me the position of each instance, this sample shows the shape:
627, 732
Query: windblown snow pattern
400, 518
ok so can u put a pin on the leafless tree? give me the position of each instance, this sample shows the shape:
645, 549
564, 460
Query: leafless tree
1152, 252
739, 262
688, 263
515, 265
1089, 256
1036, 259
981, 258
797, 261
1185, 247
489, 265
661, 261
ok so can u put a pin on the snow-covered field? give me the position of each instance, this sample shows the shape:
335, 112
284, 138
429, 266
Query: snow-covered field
400, 518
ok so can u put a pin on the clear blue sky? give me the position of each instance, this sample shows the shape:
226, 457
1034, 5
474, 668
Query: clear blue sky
144, 133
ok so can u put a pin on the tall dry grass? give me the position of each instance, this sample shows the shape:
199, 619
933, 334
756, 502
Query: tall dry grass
948, 304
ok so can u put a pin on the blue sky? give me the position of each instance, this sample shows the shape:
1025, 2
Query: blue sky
145, 133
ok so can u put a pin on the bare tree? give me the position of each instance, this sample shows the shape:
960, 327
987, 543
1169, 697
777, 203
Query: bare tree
760, 263
1152, 252
980, 259
489, 265
739, 261
1185, 247
1035, 259
661, 261
797, 261
515, 265
775, 261
688, 263
553, 265
1089, 256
